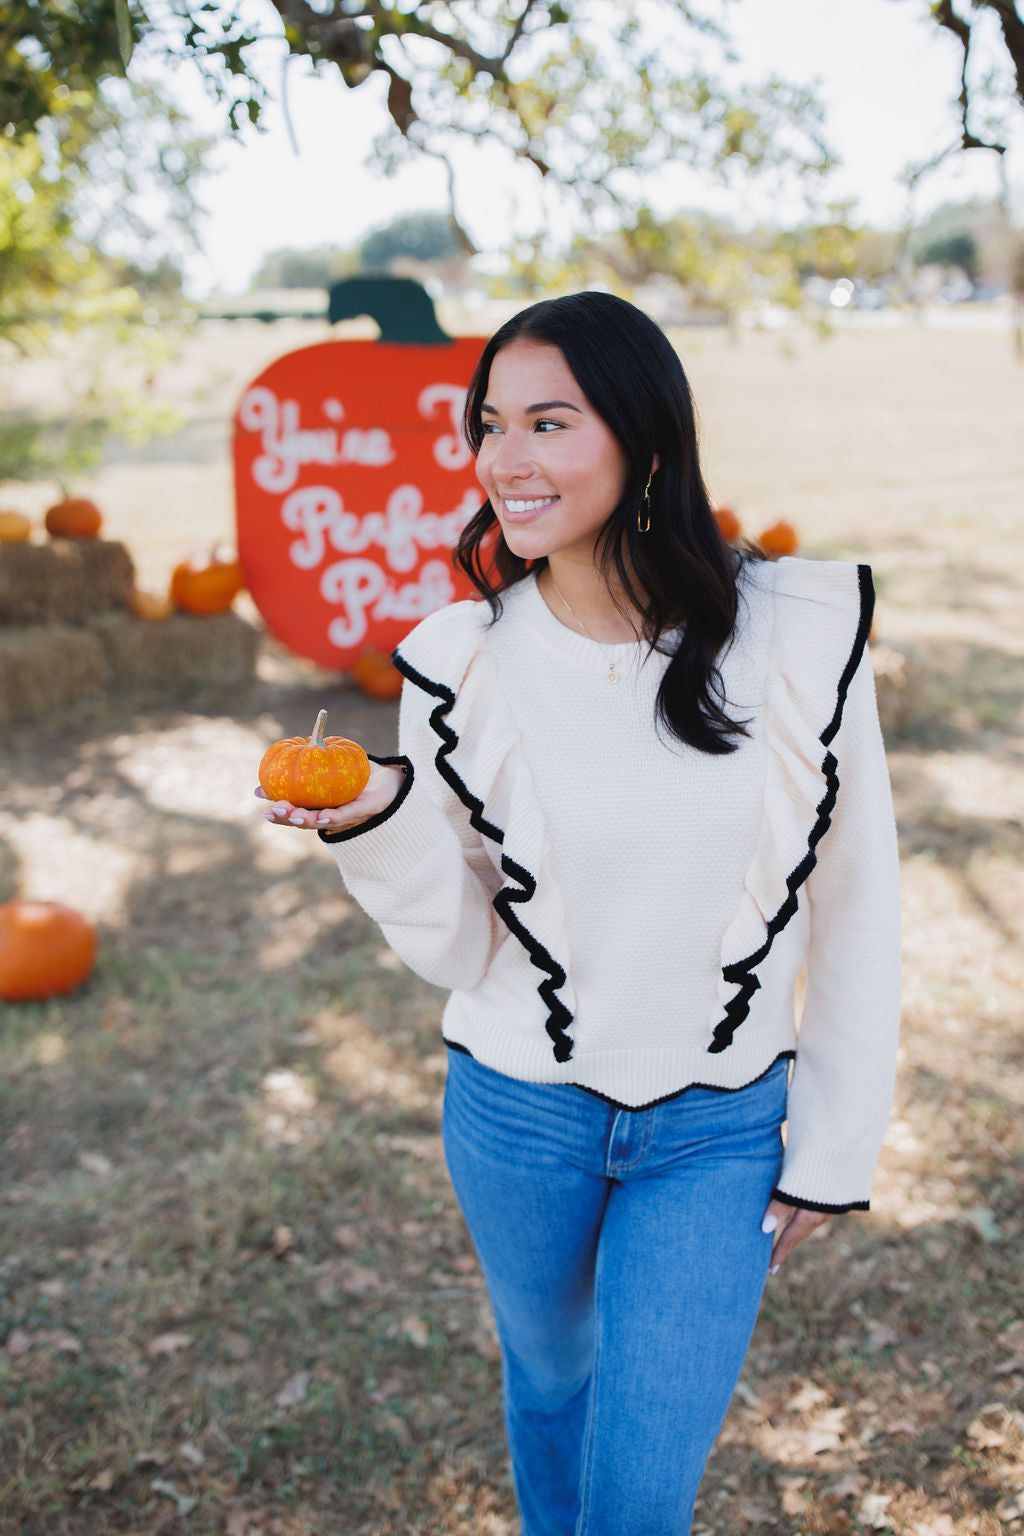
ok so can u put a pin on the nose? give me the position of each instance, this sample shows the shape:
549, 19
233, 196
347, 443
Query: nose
511, 459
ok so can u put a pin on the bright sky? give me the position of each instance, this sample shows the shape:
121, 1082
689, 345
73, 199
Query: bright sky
887, 75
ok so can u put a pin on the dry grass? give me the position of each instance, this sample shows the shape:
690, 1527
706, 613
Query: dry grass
237, 1295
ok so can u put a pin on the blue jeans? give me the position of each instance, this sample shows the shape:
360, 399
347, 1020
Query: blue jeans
625, 1262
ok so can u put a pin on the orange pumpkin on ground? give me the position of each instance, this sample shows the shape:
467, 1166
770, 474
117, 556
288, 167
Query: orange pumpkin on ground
206, 584
779, 539
314, 771
150, 606
74, 517
15, 528
376, 675
45, 949
728, 523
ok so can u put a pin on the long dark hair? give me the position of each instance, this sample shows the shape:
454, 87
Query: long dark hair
681, 572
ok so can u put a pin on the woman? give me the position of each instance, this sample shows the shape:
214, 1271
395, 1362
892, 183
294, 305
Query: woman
641, 787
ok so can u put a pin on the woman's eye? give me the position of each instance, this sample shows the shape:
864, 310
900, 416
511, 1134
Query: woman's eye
542, 424
488, 429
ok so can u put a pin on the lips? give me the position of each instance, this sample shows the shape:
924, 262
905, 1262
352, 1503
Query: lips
524, 509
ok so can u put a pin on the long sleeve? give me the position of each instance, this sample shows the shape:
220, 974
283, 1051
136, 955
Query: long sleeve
420, 870
843, 1078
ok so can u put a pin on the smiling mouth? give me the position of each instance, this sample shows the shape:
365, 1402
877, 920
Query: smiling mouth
521, 506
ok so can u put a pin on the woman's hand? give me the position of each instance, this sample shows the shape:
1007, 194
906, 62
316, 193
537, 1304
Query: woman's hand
793, 1224
381, 788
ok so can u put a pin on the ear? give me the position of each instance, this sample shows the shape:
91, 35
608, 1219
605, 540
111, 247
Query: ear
655, 464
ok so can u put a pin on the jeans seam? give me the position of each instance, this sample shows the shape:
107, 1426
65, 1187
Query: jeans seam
616, 1168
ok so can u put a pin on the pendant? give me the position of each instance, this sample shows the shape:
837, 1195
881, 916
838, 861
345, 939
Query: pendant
612, 676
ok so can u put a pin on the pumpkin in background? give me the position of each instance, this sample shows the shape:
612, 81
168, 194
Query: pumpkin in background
376, 675
45, 949
150, 606
314, 771
15, 528
728, 524
74, 517
206, 584
780, 539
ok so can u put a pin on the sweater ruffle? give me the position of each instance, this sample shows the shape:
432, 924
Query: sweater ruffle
820, 620
483, 764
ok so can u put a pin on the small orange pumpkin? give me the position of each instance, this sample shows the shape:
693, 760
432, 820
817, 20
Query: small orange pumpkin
779, 539
206, 584
15, 528
45, 949
376, 675
728, 523
314, 771
73, 517
150, 605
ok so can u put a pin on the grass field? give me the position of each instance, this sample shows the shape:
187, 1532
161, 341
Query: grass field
237, 1296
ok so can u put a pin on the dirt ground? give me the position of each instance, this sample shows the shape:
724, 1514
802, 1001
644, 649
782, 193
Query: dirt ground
236, 1293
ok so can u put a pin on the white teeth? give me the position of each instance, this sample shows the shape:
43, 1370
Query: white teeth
528, 506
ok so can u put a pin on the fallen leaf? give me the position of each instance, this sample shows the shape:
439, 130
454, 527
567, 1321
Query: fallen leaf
18, 1342
95, 1162
103, 1481
348, 1237
936, 1525
848, 1486
872, 1508
882, 1336
826, 1432
807, 1398
984, 1223
284, 1238
167, 1344
185, 1502
152, 1459
294, 1390
415, 1330
358, 1281
191, 1453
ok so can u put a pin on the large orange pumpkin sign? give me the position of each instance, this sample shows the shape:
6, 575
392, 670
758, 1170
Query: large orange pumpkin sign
352, 485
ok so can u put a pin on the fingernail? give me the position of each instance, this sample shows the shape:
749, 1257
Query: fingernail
269, 816
295, 819
770, 1224
775, 1269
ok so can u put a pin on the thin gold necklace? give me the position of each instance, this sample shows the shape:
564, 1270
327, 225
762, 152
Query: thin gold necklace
611, 676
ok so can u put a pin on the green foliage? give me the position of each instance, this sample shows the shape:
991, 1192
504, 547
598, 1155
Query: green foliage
76, 285
317, 268
425, 236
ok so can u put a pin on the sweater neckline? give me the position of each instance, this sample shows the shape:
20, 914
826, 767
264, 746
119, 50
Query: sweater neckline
578, 650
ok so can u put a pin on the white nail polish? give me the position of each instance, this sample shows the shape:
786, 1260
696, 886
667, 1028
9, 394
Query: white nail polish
775, 1269
770, 1223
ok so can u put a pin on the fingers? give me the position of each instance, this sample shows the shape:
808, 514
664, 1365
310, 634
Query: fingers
793, 1225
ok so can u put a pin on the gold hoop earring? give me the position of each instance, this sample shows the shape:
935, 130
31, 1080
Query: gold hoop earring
645, 511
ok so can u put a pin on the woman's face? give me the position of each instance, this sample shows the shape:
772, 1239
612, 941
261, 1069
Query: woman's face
552, 469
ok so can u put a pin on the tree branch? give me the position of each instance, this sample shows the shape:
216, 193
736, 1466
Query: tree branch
946, 16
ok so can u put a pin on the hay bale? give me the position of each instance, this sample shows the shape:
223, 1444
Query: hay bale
63, 582
900, 687
45, 668
181, 656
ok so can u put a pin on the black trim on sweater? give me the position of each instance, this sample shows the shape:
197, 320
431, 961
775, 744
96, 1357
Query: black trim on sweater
636, 1109
381, 817
818, 1205
742, 971
559, 1016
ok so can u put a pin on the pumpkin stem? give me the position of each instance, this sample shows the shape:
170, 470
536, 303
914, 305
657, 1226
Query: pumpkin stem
317, 738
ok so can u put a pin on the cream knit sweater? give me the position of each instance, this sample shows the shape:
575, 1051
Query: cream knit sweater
617, 911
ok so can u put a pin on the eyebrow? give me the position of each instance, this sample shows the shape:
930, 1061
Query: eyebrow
534, 410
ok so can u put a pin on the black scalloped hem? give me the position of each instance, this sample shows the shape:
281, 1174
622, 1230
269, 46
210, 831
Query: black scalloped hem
818, 1205
347, 833
559, 1016
742, 972
666, 1098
